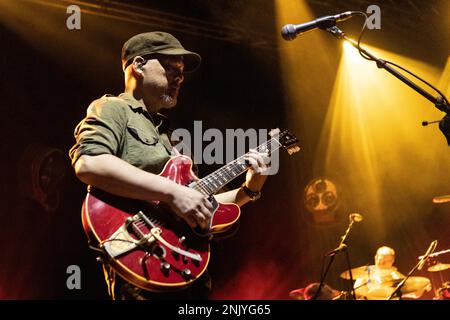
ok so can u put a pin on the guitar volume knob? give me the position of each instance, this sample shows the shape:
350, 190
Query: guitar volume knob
186, 273
165, 267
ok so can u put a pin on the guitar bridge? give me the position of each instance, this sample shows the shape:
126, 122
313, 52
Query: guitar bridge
122, 242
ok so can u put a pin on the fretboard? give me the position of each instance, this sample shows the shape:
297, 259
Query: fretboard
218, 179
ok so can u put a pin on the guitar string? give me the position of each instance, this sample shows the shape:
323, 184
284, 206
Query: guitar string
235, 164
232, 165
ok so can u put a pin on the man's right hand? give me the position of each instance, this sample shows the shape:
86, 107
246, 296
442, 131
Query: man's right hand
118, 177
191, 205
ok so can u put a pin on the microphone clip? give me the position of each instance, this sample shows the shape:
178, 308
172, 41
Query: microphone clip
425, 257
336, 32
341, 247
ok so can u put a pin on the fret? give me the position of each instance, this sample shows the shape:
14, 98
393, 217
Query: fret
200, 187
210, 183
243, 166
235, 171
222, 179
215, 183
263, 148
219, 178
208, 186
227, 174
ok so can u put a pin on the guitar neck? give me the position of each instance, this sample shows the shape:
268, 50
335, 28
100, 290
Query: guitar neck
218, 179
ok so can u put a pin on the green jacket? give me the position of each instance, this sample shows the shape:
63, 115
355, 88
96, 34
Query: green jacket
121, 126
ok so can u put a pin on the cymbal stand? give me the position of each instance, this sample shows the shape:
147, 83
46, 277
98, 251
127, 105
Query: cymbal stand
433, 277
350, 273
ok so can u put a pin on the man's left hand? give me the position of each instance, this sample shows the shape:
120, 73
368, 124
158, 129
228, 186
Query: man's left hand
257, 173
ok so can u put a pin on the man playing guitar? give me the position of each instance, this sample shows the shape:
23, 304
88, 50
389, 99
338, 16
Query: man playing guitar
122, 145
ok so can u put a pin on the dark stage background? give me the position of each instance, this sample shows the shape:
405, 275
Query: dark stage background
50, 74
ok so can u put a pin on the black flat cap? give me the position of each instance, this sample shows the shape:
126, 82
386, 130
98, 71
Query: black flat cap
161, 43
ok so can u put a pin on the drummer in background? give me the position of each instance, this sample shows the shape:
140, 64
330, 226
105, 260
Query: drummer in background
382, 278
378, 276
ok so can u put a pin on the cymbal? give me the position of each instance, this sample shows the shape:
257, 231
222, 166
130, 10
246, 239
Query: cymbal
364, 271
439, 267
442, 199
414, 284
356, 272
414, 288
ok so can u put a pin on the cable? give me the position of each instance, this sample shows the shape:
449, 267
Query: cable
365, 56
361, 33
419, 78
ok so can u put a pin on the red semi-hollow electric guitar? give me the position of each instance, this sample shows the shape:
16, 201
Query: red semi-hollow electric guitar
152, 247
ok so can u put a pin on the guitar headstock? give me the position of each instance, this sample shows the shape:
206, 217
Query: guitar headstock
287, 140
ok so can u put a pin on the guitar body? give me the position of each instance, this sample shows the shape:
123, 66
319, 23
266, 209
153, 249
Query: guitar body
146, 243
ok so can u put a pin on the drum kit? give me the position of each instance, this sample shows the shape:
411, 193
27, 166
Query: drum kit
374, 283
383, 283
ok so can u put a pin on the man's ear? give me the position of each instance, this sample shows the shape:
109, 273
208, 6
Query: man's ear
138, 65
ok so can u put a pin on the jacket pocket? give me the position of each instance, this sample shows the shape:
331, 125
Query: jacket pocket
142, 135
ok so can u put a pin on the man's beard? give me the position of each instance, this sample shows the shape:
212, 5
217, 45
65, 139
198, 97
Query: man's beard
168, 100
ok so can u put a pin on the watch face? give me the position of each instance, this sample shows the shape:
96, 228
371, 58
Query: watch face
256, 197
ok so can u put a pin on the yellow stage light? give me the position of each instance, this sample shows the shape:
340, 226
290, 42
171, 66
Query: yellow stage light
373, 137
369, 124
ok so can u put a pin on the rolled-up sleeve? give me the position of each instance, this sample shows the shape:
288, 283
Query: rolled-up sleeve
101, 131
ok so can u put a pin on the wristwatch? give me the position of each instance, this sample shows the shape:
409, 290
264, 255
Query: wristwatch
253, 195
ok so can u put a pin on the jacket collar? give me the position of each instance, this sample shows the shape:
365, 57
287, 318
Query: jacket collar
134, 104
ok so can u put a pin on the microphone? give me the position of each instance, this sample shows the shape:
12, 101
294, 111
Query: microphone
425, 123
355, 217
431, 248
435, 254
291, 31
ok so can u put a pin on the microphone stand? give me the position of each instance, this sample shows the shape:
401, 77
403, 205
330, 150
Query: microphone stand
350, 273
332, 254
439, 102
402, 283
436, 254
420, 264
